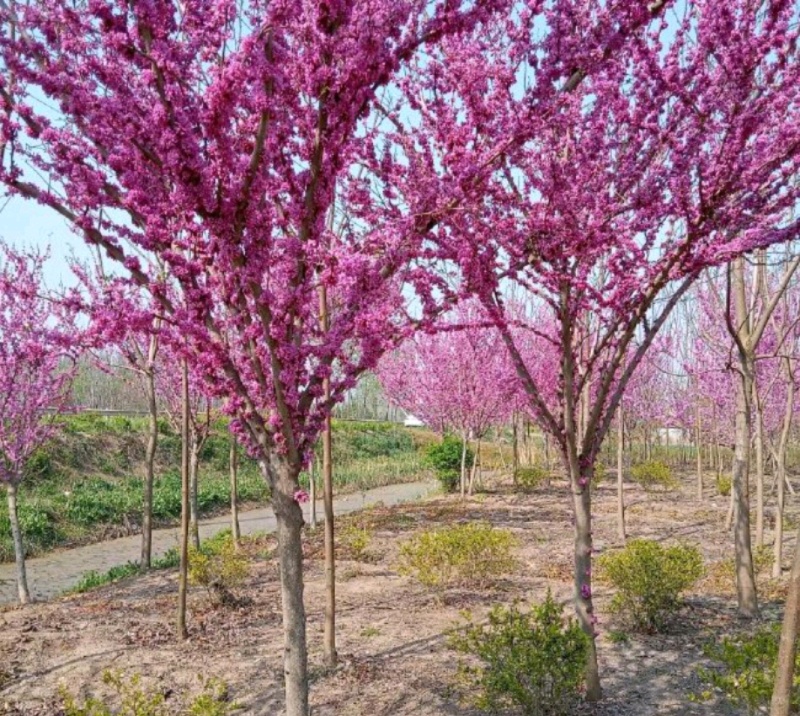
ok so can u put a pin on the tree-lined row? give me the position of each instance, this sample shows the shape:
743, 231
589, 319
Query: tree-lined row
299, 186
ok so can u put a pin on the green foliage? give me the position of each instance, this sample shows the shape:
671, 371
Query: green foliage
136, 700
219, 567
530, 477
93, 579
654, 473
170, 559
747, 672
649, 579
356, 540
471, 553
80, 486
724, 484
599, 475
213, 701
532, 660
445, 460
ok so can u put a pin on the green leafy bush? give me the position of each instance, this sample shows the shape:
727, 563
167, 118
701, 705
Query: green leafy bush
747, 670
600, 474
136, 700
649, 579
471, 553
219, 567
652, 474
530, 477
445, 460
356, 540
532, 660
724, 484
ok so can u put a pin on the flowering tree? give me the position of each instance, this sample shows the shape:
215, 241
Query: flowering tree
209, 135
456, 379
37, 364
674, 154
168, 385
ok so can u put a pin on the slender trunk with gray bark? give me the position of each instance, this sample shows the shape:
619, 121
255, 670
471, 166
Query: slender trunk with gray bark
329, 637
699, 445
463, 464
329, 640
233, 464
194, 505
312, 493
150, 462
745, 576
620, 478
19, 550
781, 466
183, 569
579, 473
759, 455
787, 652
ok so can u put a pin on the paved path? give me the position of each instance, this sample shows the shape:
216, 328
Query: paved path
54, 573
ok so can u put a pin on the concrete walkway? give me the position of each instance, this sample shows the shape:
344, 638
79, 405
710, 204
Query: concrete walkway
54, 573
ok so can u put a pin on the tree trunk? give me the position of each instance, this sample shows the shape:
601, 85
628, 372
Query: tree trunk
19, 550
620, 478
784, 675
581, 494
781, 466
515, 449
745, 577
473, 472
330, 547
759, 441
183, 570
282, 478
699, 445
150, 462
463, 465
312, 493
233, 463
194, 507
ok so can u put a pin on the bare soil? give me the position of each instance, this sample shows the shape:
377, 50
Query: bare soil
394, 659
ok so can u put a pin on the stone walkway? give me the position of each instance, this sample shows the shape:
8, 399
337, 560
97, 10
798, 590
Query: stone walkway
54, 573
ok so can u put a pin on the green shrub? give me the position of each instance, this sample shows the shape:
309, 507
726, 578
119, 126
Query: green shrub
600, 474
213, 701
445, 460
532, 660
219, 567
724, 485
652, 474
472, 553
135, 700
356, 541
747, 670
649, 579
530, 477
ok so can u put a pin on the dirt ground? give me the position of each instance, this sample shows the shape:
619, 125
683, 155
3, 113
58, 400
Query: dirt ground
394, 659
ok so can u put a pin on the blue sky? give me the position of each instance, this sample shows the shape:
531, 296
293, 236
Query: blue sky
23, 223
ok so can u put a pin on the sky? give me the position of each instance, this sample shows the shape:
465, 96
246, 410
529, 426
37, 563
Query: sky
25, 224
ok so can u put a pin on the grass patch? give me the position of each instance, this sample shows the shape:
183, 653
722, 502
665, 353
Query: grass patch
86, 484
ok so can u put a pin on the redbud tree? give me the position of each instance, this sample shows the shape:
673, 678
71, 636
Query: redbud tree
457, 378
208, 135
37, 364
613, 186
